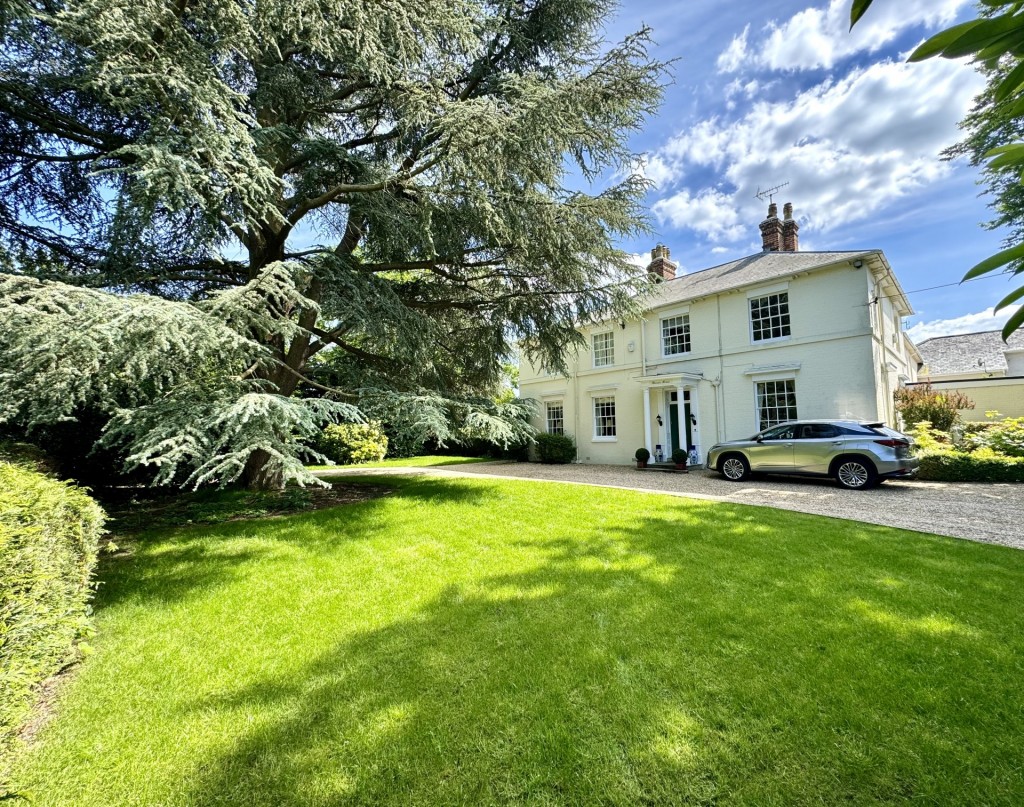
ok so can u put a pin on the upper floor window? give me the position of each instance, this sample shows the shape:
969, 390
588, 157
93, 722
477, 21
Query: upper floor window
675, 335
769, 316
555, 418
604, 417
604, 349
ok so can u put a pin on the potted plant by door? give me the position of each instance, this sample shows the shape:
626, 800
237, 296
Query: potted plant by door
642, 455
679, 458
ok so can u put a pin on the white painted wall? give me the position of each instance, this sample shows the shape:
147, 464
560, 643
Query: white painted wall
845, 355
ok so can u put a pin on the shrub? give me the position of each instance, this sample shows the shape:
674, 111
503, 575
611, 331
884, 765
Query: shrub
352, 443
928, 439
642, 454
556, 449
49, 534
940, 408
1004, 437
679, 456
981, 466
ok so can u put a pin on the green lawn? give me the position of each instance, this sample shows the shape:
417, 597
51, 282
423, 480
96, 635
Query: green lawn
485, 641
408, 462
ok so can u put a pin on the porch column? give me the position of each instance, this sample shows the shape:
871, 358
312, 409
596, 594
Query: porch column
681, 414
694, 410
648, 443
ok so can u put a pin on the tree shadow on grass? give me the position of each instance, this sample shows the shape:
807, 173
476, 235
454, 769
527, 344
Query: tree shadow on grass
170, 565
693, 658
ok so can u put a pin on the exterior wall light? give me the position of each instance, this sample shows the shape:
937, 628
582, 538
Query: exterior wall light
660, 421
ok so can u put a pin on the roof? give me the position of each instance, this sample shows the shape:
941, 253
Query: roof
759, 268
968, 352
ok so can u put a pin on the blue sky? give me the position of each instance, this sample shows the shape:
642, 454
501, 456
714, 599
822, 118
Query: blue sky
783, 92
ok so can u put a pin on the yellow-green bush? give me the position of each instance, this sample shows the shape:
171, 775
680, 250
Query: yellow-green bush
352, 443
49, 534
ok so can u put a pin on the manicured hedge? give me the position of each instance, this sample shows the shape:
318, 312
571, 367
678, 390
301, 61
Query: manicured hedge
958, 466
49, 532
556, 449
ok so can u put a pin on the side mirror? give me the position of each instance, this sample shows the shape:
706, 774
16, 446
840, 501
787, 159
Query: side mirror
759, 438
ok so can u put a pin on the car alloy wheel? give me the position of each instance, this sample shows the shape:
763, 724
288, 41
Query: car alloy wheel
853, 474
734, 469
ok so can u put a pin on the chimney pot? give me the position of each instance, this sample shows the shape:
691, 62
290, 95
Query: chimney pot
661, 268
771, 230
790, 239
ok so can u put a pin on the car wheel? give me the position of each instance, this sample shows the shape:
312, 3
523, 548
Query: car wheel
855, 474
734, 467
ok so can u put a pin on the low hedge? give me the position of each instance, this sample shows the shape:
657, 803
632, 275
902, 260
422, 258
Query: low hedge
958, 466
49, 535
556, 449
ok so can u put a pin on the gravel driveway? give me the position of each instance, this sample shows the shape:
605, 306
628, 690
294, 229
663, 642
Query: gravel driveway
991, 514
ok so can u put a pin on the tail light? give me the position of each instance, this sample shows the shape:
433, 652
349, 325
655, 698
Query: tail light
893, 443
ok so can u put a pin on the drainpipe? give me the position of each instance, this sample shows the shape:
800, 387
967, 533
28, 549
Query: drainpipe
643, 347
576, 407
720, 390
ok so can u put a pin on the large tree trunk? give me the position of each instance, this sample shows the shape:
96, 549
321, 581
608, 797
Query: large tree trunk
260, 473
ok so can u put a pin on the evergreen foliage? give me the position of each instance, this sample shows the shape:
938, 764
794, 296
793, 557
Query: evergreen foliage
49, 533
212, 212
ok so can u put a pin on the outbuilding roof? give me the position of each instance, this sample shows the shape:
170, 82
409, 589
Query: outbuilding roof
759, 268
968, 352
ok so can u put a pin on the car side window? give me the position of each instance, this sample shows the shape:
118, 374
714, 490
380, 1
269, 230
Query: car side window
778, 433
817, 431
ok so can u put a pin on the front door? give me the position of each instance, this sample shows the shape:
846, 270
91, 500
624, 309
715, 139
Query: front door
680, 437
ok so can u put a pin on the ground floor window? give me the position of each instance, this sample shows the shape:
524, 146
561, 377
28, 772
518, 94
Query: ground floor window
555, 418
604, 417
776, 402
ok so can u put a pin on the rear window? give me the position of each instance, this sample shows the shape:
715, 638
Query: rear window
890, 433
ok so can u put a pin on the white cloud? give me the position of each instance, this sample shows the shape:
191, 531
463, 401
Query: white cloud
710, 212
848, 148
820, 37
656, 169
986, 320
732, 58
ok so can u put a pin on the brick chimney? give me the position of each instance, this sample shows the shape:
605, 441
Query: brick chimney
771, 230
790, 239
661, 268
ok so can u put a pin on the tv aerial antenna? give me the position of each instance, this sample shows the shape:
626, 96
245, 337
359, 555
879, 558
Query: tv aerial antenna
770, 192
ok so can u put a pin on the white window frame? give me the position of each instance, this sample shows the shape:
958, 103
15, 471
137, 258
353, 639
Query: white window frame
687, 345
599, 401
791, 411
750, 316
608, 352
561, 416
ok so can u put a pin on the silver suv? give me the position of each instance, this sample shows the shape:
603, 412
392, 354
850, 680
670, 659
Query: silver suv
856, 454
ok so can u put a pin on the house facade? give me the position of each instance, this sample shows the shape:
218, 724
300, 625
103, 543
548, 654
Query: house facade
723, 353
986, 369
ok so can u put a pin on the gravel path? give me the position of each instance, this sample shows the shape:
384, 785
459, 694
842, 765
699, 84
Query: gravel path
991, 514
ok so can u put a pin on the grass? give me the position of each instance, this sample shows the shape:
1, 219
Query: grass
486, 641
429, 461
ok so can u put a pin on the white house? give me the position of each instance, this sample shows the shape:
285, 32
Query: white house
986, 369
725, 352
